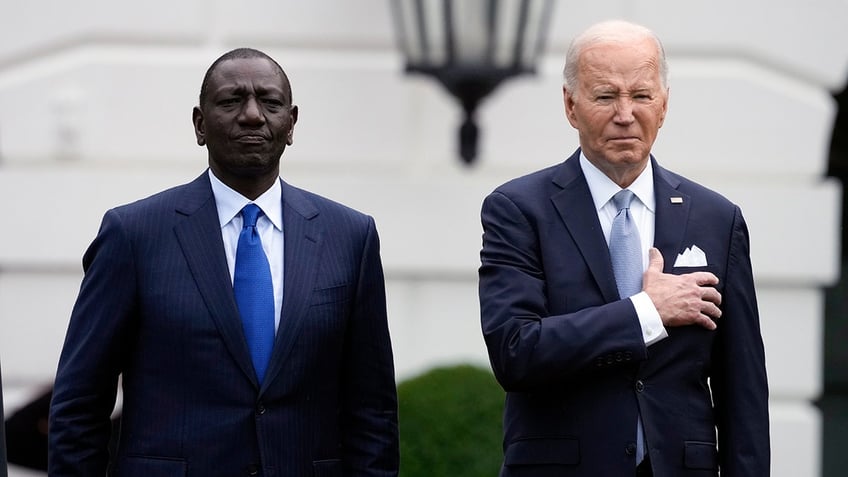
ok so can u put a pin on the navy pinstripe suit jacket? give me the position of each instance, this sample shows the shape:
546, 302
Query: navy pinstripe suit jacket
156, 306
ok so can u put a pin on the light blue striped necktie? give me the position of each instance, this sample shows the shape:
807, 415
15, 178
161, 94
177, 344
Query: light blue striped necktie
254, 291
626, 254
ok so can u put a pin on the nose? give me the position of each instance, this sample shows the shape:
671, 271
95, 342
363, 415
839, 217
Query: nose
251, 112
624, 110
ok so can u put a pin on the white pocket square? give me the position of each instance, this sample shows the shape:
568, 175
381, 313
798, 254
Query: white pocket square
691, 257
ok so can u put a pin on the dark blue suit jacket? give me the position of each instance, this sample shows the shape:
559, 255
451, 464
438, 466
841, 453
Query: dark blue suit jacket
570, 353
156, 306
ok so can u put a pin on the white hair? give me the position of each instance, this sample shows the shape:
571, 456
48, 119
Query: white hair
610, 31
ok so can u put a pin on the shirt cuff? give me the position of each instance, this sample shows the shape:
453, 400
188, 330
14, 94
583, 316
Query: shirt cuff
649, 319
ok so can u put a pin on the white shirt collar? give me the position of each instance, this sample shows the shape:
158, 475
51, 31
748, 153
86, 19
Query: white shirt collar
603, 188
229, 202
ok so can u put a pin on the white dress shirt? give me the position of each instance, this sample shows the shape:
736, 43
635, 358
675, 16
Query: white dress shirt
269, 225
642, 211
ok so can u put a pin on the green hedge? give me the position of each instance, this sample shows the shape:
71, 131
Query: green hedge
450, 423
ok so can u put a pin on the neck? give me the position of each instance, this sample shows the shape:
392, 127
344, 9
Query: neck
248, 185
622, 174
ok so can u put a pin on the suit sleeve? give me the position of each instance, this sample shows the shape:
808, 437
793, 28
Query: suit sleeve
369, 395
86, 380
739, 382
529, 345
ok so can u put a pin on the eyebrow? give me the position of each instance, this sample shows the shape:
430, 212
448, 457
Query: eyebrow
617, 90
260, 90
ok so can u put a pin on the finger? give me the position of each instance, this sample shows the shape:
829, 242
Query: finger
707, 323
655, 260
711, 310
711, 295
704, 278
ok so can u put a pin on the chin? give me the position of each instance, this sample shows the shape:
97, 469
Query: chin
254, 167
629, 157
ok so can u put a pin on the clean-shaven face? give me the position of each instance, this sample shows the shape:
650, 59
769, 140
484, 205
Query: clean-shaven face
248, 118
618, 106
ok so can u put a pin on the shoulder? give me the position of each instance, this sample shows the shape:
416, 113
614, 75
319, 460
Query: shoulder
709, 211
533, 194
315, 206
530, 183
186, 197
544, 182
526, 195
700, 194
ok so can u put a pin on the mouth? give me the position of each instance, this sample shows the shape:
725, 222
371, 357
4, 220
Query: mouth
251, 139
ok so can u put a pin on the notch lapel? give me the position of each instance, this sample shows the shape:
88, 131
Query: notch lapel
199, 236
302, 236
577, 210
671, 217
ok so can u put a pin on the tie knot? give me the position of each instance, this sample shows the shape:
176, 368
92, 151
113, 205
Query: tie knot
250, 213
622, 199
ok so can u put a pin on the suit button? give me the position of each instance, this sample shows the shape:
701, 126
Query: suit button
260, 409
630, 449
640, 386
253, 469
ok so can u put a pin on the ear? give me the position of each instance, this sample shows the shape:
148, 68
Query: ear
199, 126
664, 107
290, 135
568, 102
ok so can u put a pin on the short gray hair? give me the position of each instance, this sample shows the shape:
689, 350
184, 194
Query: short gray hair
610, 30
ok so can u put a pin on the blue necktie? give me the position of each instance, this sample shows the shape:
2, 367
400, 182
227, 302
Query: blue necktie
254, 291
626, 255
625, 247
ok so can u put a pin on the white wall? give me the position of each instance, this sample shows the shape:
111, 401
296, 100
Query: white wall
95, 102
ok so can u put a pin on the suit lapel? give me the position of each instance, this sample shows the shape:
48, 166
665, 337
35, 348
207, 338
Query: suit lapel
302, 236
199, 235
671, 215
576, 208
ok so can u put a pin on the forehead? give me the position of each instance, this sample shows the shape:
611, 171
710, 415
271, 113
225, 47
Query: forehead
253, 73
620, 62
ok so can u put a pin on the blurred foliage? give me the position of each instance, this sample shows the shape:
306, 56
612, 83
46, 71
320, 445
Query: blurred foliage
450, 423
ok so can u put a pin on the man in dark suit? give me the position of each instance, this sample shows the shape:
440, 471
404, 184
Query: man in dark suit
160, 306
667, 379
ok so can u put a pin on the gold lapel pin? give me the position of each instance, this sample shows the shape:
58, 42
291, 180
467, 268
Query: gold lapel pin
677, 200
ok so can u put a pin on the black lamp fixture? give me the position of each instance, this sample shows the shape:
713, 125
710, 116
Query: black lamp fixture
471, 46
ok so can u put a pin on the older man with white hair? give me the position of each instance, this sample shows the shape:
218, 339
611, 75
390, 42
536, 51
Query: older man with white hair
617, 298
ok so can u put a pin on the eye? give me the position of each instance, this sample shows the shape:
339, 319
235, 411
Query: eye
643, 95
272, 103
228, 101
